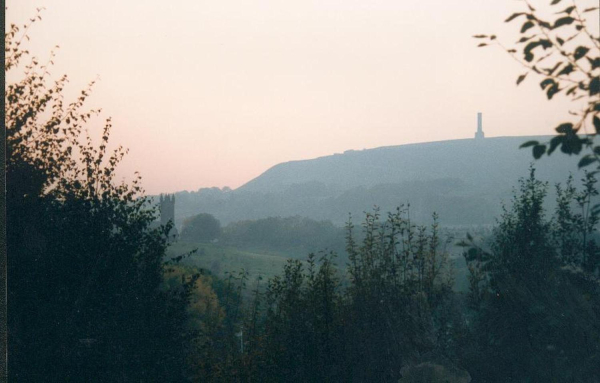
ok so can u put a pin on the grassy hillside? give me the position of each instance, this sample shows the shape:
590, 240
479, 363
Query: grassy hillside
465, 181
219, 259
484, 164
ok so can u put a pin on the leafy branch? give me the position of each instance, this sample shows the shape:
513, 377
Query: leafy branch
567, 55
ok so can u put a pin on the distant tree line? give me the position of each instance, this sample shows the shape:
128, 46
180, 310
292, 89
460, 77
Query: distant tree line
201, 228
531, 314
292, 236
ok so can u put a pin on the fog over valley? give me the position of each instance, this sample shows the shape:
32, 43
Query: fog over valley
332, 191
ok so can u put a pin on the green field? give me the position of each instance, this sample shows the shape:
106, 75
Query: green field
220, 259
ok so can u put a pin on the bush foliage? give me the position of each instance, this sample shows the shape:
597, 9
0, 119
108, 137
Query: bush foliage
85, 286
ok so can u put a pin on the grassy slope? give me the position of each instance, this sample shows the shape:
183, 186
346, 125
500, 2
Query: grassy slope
219, 259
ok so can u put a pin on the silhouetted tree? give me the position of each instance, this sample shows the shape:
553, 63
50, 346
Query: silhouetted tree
321, 326
538, 295
201, 228
85, 286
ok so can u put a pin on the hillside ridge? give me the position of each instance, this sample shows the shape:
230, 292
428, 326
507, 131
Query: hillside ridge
465, 181
379, 158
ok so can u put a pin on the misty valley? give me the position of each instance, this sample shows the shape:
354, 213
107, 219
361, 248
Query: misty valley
292, 292
449, 260
303, 207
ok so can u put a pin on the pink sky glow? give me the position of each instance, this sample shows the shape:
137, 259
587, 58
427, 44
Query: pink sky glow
213, 93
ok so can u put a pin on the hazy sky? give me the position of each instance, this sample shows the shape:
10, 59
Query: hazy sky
213, 93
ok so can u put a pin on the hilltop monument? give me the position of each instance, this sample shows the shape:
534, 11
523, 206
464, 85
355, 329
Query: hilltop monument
479, 134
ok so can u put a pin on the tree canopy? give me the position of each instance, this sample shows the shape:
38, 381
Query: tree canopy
201, 228
85, 287
535, 290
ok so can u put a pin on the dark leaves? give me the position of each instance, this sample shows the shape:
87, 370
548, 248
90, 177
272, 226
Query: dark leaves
527, 25
554, 2
554, 142
552, 91
586, 160
544, 84
528, 144
538, 151
525, 38
572, 90
568, 10
528, 56
596, 121
544, 24
550, 86
527, 51
521, 78
513, 16
565, 128
580, 52
595, 63
563, 21
566, 70
554, 68
595, 86
572, 144
471, 254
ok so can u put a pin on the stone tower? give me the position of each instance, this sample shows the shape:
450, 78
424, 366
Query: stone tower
167, 208
479, 134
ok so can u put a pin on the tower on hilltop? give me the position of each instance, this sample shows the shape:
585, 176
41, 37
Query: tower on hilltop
479, 134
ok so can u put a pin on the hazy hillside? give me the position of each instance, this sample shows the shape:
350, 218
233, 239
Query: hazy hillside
489, 162
463, 180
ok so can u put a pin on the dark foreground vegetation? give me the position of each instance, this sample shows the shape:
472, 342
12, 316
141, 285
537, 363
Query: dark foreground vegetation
86, 297
531, 314
93, 297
